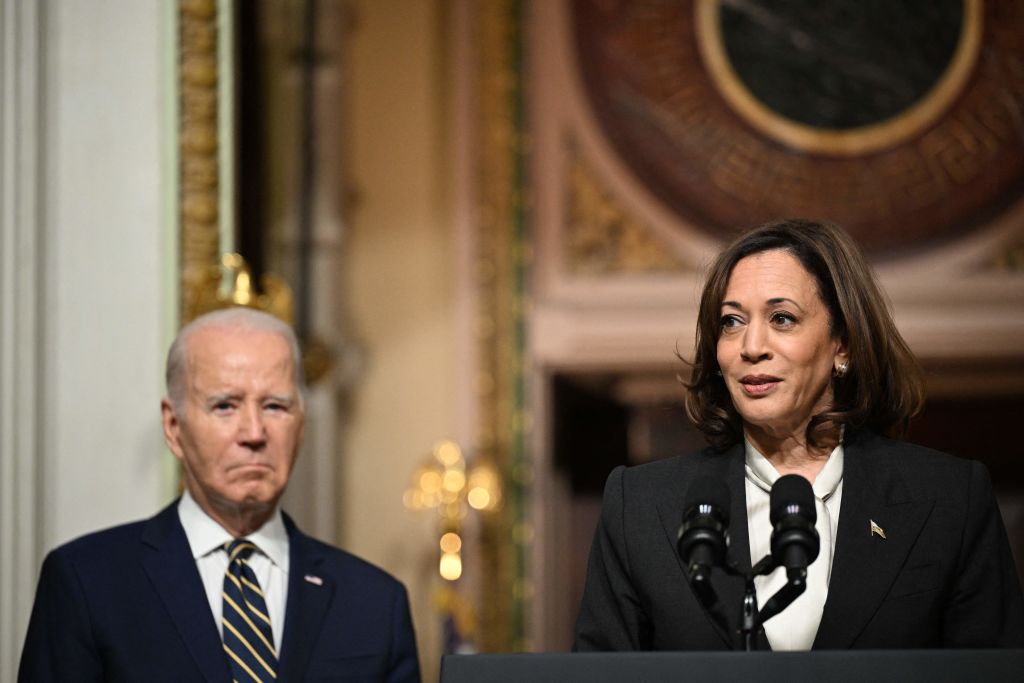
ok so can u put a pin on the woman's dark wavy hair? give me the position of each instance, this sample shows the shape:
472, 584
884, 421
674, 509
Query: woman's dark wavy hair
883, 388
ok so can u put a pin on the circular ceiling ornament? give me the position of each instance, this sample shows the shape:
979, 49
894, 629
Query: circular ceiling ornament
903, 122
835, 80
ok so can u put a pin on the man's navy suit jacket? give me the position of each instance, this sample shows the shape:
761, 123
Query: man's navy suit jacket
127, 604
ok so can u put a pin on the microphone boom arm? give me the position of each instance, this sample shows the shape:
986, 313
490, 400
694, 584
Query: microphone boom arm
752, 619
796, 584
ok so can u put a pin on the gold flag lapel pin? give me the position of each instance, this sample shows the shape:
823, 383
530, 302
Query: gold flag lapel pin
875, 529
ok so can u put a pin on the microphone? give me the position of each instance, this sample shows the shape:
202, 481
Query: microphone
794, 542
703, 538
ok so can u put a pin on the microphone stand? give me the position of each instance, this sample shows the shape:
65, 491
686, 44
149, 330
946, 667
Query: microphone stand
752, 620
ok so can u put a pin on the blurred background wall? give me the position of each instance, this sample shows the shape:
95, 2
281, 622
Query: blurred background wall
87, 272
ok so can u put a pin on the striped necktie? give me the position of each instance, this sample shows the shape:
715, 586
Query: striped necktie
248, 639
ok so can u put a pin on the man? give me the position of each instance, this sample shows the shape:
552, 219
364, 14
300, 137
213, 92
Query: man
221, 585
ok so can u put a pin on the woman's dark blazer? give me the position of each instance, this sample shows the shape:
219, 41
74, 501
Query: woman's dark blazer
942, 576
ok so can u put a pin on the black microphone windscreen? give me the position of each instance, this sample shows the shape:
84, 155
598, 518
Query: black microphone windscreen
708, 491
792, 489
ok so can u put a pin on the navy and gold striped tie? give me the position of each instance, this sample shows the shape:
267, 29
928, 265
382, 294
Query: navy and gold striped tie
248, 639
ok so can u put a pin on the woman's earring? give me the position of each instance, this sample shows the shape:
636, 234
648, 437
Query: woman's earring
841, 369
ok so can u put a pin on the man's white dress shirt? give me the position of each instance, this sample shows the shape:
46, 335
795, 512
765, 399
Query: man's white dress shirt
270, 563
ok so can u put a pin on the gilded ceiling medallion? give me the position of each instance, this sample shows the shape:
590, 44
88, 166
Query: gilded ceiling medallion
900, 121
820, 86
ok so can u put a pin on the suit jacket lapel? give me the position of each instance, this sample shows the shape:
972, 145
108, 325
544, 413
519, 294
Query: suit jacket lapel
865, 564
167, 559
724, 615
310, 591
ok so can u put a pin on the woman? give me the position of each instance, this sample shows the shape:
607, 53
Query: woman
799, 369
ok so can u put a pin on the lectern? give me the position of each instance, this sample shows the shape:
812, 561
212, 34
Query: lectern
835, 666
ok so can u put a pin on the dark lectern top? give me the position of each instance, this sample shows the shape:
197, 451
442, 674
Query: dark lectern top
835, 666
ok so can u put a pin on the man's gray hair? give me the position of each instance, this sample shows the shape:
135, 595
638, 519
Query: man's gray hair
234, 318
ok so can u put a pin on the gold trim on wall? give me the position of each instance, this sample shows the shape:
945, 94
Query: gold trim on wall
198, 146
601, 236
501, 263
1010, 259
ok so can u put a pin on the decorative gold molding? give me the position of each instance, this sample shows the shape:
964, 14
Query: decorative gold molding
208, 279
199, 170
1010, 259
501, 263
601, 237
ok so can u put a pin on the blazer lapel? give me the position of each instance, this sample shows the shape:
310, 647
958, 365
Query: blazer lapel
310, 591
724, 615
866, 564
167, 559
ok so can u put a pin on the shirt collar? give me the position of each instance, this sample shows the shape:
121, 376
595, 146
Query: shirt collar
763, 474
206, 536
